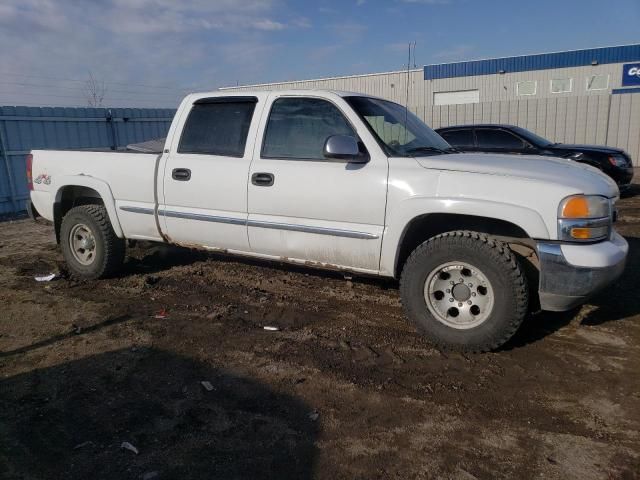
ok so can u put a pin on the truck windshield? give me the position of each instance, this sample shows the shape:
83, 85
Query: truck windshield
536, 140
399, 132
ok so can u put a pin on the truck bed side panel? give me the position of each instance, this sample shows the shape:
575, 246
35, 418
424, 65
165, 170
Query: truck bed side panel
129, 178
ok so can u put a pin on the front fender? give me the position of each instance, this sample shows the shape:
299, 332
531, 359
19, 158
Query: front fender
96, 184
399, 218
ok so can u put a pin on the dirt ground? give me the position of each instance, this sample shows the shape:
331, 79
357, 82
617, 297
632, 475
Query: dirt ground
345, 389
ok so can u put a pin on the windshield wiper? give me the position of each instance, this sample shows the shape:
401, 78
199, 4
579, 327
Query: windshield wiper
432, 149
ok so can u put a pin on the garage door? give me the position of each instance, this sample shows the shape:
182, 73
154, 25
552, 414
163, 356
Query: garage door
456, 97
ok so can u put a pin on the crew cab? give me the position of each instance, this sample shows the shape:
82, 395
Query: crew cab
489, 138
348, 182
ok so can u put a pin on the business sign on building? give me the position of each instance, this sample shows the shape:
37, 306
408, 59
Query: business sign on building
630, 74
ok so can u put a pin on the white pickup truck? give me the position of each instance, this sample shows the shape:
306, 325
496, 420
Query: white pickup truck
347, 181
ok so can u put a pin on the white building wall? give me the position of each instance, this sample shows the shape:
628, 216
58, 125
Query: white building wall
579, 116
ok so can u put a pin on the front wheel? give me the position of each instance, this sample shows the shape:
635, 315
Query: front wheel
465, 291
90, 247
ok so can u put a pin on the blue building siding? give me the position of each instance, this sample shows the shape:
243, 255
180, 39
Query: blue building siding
618, 91
28, 128
543, 61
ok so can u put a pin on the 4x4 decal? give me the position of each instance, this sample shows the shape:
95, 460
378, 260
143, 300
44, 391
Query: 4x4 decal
43, 178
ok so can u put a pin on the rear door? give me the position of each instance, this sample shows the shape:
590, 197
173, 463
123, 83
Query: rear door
498, 140
303, 206
205, 174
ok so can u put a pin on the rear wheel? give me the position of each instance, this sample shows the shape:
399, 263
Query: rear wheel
90, 247
465, 291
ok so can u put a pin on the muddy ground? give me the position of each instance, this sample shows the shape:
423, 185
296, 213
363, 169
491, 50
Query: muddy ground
345, 389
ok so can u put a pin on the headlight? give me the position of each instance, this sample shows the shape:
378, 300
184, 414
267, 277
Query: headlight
584, 206
584, 218
618, 161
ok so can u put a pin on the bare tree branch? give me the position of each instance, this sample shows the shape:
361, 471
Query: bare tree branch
95, 91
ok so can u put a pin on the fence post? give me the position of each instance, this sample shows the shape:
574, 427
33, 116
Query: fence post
7, 165
112, 130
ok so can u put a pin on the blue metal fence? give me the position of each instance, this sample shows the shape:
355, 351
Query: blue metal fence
27, 128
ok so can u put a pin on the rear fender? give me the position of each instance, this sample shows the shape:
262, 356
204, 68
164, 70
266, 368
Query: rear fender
99, 186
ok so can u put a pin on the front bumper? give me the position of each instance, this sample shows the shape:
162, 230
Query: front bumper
622, 177
570, 274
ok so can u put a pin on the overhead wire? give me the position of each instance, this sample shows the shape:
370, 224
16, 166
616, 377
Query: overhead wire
126, 84
83, 89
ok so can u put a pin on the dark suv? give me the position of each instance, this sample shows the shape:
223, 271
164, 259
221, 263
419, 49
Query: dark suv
511, 139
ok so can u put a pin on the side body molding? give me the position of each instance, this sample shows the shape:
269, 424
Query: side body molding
96, 184
401, 215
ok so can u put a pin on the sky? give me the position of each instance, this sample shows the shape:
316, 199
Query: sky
149, 53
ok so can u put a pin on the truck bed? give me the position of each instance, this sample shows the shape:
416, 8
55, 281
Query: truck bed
129, 176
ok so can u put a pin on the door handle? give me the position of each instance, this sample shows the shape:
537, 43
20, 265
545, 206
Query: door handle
262, 179
181, 174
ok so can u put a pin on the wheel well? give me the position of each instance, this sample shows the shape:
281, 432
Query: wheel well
427, 226
72, 196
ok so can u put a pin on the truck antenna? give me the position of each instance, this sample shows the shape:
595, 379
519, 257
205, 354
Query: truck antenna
406, 103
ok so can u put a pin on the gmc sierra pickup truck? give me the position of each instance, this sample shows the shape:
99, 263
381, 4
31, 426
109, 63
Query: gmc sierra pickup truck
349, 182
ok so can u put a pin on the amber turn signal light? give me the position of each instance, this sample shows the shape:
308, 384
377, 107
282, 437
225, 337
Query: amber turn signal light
576, 207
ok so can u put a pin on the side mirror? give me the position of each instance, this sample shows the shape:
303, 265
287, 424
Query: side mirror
344, 147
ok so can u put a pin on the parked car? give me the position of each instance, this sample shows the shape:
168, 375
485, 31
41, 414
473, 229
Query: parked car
512, 139
347, 182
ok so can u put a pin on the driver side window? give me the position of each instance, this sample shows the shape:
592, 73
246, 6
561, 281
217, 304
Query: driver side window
299, 127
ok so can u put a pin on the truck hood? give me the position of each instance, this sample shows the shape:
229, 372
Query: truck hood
584, 178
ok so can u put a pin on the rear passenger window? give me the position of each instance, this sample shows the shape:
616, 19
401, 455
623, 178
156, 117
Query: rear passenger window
498, 139
459, 138
299, 127
219, 127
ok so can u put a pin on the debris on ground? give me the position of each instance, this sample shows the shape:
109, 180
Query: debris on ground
149, 475
44, 278
314, 415
130, 447
83, 444
206, 385
162, 313
271, 329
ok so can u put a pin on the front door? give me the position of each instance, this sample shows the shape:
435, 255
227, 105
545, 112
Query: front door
205, 176
303, 206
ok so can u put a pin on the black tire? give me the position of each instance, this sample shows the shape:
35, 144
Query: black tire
500, 267
109, 249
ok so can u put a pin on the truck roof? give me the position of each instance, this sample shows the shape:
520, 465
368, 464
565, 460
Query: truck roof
478, 125
296, 91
